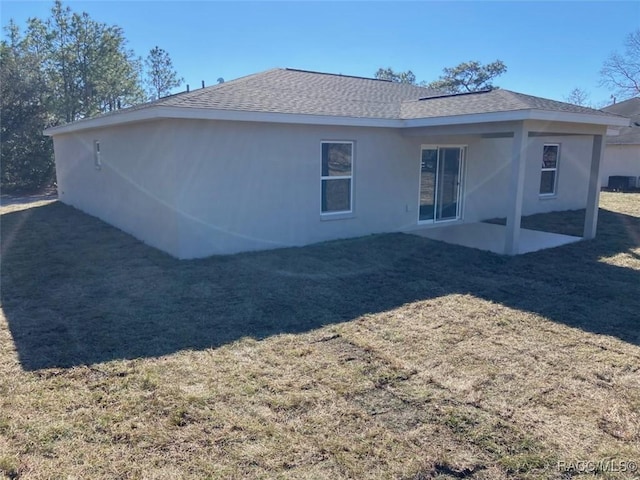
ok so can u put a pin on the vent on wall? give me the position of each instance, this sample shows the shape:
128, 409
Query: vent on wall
96, 155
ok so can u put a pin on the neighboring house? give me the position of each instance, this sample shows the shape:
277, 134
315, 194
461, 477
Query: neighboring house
289, 157
622, 153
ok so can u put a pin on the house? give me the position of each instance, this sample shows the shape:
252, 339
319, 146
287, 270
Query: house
289, 157
622, 151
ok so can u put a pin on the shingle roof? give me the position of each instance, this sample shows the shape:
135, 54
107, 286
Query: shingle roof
302, 92
627, 135
485, 102
312, 93
323, 97
627, 108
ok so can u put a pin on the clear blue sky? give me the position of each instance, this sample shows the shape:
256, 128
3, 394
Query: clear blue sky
548, 47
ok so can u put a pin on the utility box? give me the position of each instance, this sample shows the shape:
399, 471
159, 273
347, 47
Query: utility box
621, 182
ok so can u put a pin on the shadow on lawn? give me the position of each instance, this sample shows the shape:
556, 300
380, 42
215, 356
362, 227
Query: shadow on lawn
77, 291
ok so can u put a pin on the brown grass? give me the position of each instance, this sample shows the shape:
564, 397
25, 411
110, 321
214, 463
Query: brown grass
390, 356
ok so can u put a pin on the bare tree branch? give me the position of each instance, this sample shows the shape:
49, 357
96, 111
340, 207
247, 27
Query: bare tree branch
621, 72
577, 96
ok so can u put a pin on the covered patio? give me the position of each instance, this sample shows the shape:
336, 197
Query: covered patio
491, 237
519, 167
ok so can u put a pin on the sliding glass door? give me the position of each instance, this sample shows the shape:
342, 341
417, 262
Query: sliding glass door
440, 183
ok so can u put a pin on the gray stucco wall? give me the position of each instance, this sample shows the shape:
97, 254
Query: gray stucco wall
195, 188
258, 186
134, 190
488, 169
573, 174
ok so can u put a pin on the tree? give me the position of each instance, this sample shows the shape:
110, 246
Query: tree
621, 72
399, 77
161, 77
62, 69
577, 96
87, 66
468, 77
118, 78
27, 155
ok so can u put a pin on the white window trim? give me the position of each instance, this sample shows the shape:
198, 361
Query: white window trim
342, 213
555, 177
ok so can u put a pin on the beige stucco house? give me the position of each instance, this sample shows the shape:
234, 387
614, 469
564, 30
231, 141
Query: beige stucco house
622, 151
289, 157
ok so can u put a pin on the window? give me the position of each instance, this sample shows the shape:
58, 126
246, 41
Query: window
337, 166
97, 161
549, 174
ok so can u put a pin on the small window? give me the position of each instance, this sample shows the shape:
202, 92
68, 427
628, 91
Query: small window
337, 167
549, 174
96, 155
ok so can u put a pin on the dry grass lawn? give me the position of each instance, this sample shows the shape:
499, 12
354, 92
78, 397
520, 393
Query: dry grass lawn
390, 356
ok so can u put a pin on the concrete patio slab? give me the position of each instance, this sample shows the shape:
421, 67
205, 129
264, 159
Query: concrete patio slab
491, 237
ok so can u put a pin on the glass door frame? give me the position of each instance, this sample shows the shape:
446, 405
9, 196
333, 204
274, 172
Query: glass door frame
460, 189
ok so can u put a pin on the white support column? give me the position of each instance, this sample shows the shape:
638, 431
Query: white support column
516, 189
593, 195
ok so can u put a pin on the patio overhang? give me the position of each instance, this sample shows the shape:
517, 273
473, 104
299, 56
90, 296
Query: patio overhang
517, 178
512, 239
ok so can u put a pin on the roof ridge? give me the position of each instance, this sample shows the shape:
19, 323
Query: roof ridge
519, 95
212, 87
459, 94
342, 75
515, 96
628, 100
388, 82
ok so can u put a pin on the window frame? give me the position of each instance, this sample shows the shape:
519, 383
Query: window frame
547, 169
328, 178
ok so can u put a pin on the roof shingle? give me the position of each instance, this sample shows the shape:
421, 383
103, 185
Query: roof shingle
300, 92
311, 93
627, 135
626, 108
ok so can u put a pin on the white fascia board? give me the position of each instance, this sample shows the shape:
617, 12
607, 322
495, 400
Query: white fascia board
509, 116
519, 115
119, 118
153, 113
569, 117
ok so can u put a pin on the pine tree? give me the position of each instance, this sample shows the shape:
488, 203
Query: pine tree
27, 155
161, 76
